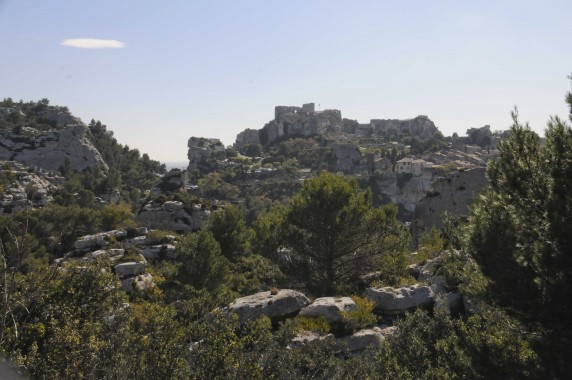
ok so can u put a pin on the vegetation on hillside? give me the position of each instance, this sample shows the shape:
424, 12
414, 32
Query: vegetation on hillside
510, 258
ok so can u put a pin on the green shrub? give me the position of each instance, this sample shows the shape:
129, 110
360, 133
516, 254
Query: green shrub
361, 317
318, 325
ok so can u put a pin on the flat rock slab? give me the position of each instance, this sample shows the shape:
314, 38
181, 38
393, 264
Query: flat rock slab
284, 303
329, 307
395, 301
130, 268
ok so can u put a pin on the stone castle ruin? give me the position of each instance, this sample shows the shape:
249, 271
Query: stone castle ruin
305, 121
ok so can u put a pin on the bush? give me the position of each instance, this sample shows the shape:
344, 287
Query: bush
360, 318
318, 325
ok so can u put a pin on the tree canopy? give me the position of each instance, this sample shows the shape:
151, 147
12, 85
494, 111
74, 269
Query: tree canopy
336, 235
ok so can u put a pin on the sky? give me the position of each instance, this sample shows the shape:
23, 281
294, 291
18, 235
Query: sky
158, 72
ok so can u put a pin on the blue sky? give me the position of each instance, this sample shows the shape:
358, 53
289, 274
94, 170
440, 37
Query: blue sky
213, 68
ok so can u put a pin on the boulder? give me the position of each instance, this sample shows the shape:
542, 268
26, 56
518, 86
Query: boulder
113, 253
389, 301
284, 303
131, 268
363, 339
141, 282
162, 251
329, 307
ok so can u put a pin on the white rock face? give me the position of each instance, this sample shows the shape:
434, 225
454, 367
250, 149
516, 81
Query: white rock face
97, 241
329, 307
50, 149
130, 269
390, 301
282, 304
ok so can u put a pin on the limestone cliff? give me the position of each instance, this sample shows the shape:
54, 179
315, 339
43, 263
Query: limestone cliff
49, 149
453, 193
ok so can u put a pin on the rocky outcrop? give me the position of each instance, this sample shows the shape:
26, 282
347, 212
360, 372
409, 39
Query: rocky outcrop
293, 121
52, 150
130, 268
247, 137
395, 301
59, 117
22, 187
139, 283
97, 241
203, 153
421, 127
172, 216
363, 339
282, 304
329, 307
453, 193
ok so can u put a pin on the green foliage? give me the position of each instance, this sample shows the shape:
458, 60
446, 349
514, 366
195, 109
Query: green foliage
202, 264
129, 171
318, 325
251, 274
440, 347
361, 317
229, 229
518, 233
431, 244
336, 235
253, 150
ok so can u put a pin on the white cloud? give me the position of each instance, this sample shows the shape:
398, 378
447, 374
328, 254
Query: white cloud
93, 43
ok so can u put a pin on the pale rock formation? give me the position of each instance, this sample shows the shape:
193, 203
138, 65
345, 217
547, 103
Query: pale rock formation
141, 282
421, 127
97, 241
394, 301
247, 137
162, 251
284, 303
27, 187
130, 268
329, 307
113, 254
453, 193
363, 339
59, 118
49, 149
203, 153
